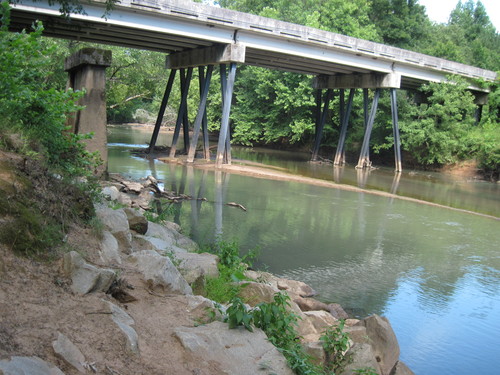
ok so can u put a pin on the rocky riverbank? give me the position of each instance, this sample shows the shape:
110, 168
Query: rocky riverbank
121, 301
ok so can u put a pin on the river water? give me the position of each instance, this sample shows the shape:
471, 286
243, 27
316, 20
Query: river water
433, 271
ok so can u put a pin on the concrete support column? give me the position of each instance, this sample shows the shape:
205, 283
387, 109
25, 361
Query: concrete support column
87, 71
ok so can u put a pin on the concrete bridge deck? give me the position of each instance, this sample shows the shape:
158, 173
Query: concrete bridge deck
175, 25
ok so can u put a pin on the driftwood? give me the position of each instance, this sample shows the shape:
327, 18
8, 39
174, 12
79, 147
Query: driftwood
234, 204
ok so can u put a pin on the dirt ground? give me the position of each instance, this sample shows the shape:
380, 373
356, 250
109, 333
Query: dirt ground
36, 303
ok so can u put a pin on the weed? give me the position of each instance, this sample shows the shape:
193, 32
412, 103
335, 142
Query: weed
335, 342
366, 371
171, 255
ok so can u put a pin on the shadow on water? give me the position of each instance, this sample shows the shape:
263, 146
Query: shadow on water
434, 272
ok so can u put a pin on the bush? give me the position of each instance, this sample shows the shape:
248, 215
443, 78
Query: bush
32, 108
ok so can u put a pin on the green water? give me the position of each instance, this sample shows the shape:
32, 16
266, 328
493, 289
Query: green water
434, 272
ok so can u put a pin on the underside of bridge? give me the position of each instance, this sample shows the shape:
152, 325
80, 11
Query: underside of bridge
205, 37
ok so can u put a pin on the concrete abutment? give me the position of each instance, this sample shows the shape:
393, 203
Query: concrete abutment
87, 72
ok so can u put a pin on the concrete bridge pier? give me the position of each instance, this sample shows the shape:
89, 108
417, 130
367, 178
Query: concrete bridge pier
87, 71
376, 81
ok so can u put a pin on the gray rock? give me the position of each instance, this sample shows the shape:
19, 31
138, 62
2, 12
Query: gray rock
85, 277
383, 340
110, 251
116, 222
154, 243
111, 193
159, 271
321, 320
161, 232
296, 287
28, 366
236, 350
361, 356
69, 352
168, 234
310, 304
124, 321
124, 199
136, 221
255, 293
316, 351
195, 266
401, 369
358, 334
132, 186
337, 311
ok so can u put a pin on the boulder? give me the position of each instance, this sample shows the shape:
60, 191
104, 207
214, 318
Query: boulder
65, 349
110, 251
296, 287
357, 334
111, 193
143, 200
132, 186
161, 232
337, 311
360, 356
136, 221
153, 243
116, 222
159, 272
85, 277
383, 340
237, 351
167, 233
255, 293
124, 199
310, 304
315, 350
124, 321
262, 277
204, 310
321, 320
27, 366
401, 369
195, 267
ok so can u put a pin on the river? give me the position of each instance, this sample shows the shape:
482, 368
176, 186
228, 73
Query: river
433, 271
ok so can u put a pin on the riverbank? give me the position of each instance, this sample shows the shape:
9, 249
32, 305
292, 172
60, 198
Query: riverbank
118, 298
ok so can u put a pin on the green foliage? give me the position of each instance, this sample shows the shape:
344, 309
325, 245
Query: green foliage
484, 143
279, 324
335, 342
366, 371
238, 315
231, 267
33, 108
436, 133
29, 232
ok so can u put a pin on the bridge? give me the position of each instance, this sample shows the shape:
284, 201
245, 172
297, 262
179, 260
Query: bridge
197, 35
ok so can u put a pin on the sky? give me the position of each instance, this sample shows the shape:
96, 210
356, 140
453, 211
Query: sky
439, 10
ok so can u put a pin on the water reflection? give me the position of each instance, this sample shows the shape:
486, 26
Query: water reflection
434, 272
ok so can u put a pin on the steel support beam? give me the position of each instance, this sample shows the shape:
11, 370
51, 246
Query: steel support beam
395, 131
204, 122
226, 109
185, 82
201, 114
364, 157
161, 112
321, 124
340, 154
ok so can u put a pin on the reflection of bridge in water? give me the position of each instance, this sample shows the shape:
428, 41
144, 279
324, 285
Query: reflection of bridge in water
197, 188
197, 35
